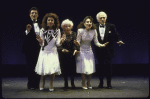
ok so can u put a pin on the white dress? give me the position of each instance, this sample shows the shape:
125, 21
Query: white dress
48, 61
85, 59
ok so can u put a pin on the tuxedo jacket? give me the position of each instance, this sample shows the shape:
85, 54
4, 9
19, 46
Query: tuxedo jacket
110, 36
31, 45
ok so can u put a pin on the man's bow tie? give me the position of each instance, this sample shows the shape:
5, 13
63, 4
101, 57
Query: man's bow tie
34, 21
102, 26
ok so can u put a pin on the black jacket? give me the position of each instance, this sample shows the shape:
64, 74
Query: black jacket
31, 45
110, 36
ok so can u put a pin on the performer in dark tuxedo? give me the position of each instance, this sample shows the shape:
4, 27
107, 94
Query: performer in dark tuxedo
106, 33
31, 47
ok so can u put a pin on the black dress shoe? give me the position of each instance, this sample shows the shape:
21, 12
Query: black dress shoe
73, 86
109, 87
100, 86
66, 87
31, 88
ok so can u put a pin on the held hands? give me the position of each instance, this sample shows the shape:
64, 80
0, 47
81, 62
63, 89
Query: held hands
28, 27
120, 43
76, 43
103, 45
63, 38
39, 39
64, 50
76, 52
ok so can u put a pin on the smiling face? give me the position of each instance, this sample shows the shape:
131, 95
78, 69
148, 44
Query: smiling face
67, 28
34, 14
88, 24
102, 19
50, 22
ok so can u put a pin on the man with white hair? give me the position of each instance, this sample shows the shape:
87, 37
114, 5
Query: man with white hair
106, 33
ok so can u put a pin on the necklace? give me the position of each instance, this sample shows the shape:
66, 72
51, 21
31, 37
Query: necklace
68, 33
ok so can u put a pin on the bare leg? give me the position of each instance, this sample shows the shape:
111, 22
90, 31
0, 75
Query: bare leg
83, 80
88, 80
51, 81
42, 81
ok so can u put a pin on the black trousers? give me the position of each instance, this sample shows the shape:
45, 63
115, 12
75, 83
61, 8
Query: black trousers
68, 68
104, 68
33, 78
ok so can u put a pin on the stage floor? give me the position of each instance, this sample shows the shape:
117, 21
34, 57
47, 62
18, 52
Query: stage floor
123, 87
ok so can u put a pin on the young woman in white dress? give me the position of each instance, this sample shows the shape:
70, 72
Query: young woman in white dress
48, 61
85, 59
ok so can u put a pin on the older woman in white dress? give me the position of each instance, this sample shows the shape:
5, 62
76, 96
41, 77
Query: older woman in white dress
85, 59
48, 61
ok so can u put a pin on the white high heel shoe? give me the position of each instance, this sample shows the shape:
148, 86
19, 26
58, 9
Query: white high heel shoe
84, 88
89, 87
51, 90
41, 88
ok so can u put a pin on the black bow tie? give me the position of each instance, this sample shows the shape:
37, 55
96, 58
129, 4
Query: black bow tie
34, 21
102, 26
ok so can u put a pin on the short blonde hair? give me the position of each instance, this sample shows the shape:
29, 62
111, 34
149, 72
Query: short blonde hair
66, 21
101, 12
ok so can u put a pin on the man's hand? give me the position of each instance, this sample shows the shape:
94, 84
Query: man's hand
120, 43
28, 27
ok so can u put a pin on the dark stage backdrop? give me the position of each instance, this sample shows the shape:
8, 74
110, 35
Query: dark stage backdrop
130, 17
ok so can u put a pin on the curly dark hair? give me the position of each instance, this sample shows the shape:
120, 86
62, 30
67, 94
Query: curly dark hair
56, 21
34, 8
81, 25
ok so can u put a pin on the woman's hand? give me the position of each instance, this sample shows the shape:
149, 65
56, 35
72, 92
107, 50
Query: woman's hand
64, 50
76, 43
63, 38
76, 52
39, 39
103, 45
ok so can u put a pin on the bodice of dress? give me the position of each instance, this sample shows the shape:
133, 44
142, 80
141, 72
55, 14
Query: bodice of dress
51, 39
69, 42
85, 37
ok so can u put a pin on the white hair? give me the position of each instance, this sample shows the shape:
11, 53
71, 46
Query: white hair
66, 21
100, 13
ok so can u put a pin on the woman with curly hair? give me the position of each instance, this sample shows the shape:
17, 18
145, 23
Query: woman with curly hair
49, 39
85, 59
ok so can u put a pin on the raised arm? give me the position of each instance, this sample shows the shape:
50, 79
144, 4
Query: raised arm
58, 38
96, 42
79, 37
40, 38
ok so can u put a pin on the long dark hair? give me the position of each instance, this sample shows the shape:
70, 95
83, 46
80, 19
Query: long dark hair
56, 21
81, 25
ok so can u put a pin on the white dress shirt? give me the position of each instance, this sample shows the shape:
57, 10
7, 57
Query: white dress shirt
102, 31
36, 29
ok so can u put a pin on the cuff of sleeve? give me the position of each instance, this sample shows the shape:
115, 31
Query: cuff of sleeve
26, 32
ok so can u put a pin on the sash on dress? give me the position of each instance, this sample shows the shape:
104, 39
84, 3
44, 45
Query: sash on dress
48, 36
